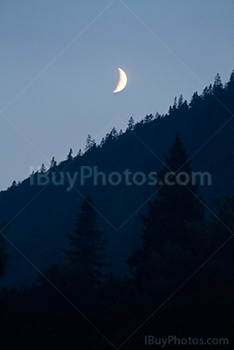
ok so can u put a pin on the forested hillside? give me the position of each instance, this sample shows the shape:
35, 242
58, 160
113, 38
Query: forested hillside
41, 217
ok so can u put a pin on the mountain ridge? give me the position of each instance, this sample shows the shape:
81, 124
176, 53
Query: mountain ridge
40, 230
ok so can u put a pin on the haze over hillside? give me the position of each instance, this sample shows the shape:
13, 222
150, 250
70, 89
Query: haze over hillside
41, 217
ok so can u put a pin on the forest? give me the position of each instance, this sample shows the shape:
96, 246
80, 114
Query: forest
105, 266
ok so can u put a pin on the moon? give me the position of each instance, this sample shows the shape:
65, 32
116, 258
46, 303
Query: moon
122, 81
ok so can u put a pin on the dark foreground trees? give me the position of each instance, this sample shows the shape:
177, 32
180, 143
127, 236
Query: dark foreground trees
181, 282
85, 256
165, 228
82, 271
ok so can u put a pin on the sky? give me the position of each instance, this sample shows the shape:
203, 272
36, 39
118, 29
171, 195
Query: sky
59, 60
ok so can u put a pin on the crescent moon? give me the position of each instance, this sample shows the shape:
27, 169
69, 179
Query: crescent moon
122, 81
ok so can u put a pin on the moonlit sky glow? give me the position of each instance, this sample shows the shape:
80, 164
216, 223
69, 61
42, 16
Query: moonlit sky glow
59, 62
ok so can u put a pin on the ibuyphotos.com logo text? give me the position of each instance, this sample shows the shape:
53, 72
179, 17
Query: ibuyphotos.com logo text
94, 176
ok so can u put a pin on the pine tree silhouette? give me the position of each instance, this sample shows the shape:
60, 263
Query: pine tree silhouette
85, 255
90, 143
176, 205
131, 124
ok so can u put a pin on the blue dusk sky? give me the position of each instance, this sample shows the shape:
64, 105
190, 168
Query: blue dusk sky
59, 59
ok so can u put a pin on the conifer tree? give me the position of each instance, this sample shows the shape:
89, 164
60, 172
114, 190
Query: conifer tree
79, 154
114, 134
180, 101
53, 163
43, 169
69, 156
85, 255
90, 143
174, 207
217, 86
230, 86
131, 124
195, 100
148, 118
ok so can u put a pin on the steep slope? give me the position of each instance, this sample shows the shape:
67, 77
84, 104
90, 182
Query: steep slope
41, 217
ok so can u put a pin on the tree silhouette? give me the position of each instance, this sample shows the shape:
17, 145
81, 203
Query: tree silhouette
69, 156
79, 154
53, 163
148, 118
175, 104
90, 143
85, 255
176, 205
180, 101
42, 169
217, 86
131, 124
114, 134
195, 100
230, 87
